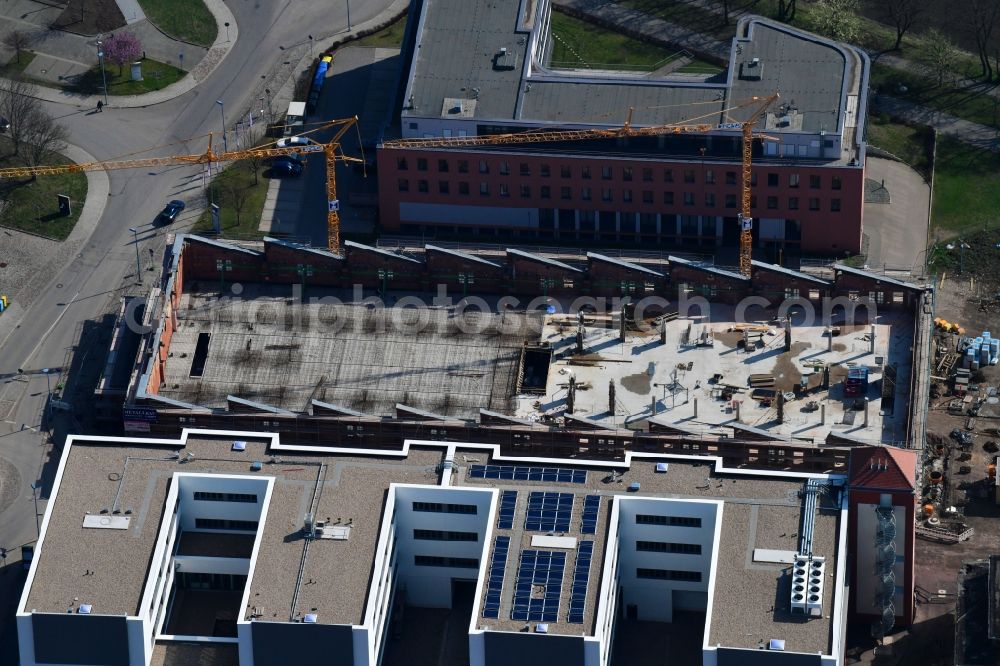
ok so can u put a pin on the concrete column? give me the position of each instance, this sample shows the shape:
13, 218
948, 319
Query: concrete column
873, 339
652, 405
822, 414
696, 408
866, 412
737, 412
829, 339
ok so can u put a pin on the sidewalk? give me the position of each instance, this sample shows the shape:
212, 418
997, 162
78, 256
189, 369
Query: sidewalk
22, 250
59, 50
981, 136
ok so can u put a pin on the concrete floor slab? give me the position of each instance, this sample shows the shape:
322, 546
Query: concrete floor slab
679, 375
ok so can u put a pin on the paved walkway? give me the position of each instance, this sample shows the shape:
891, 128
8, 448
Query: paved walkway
981, 136
896, 232
62, 54
131, 10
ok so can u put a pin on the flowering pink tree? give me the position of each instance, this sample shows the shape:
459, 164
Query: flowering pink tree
121, 48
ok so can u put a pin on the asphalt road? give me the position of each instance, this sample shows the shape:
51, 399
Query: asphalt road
95, 279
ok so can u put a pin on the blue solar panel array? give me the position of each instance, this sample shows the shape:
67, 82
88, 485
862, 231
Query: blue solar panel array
549, 512
538, 567
508, 500
498, 564
578, 602
519, 473
591, 509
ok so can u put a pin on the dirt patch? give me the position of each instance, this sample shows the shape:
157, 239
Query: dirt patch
90, 17
639, 383
838, 346
786, 372
730, 339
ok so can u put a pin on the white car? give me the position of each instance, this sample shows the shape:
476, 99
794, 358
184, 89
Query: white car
294, 141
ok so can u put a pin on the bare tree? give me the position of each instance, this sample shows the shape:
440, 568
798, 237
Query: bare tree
254, 162
43, 137
725, 10
19, 40
236, 196
18, 106
786, 10
940, 55
902, 14
983, 17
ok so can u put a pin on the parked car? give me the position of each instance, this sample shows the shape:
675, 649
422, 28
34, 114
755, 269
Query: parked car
294, 141
4, 124
171, 211
283, 166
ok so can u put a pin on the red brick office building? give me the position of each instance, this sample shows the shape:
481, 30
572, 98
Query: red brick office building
676, 190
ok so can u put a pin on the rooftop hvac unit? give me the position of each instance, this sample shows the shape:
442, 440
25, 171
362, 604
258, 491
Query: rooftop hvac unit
808, 575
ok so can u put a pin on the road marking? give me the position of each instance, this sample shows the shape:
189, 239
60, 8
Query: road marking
49, 330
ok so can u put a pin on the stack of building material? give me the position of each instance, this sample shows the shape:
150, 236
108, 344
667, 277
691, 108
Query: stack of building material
980, 352
761, 381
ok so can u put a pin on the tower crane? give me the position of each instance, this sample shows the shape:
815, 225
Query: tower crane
330, 150
761, 104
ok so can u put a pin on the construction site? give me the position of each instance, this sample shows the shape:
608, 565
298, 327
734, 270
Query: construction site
377, 345
709, 374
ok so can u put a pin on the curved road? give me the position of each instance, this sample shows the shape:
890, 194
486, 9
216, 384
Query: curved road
105, 265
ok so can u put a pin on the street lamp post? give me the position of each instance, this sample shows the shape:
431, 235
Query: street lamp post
270, 114
348, 15
135, 241
227, 30
35, 487
310, 46
222, 110
104, 76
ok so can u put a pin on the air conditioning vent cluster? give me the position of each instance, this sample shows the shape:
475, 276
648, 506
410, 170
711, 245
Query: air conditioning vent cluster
808, 575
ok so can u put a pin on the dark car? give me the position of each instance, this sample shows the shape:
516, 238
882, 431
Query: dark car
171, 211
283, 166
4, 124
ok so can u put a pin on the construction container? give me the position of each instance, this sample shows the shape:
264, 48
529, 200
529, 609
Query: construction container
928, 510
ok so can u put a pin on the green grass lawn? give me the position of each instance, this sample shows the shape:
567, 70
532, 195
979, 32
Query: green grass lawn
30, 205
688, 15
155, 75
14, 69
389, 37
968, 103
697, 66
966, 188
578, 43
187, 20
909, 143
237, 179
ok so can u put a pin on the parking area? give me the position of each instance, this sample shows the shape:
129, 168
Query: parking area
362, 82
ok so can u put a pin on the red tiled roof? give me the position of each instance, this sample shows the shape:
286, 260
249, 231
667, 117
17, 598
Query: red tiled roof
883, 467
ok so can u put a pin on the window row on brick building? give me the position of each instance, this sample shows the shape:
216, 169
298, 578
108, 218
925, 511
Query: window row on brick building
612, 172
617, 195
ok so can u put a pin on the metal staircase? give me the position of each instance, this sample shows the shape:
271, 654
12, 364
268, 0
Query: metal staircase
885, 545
